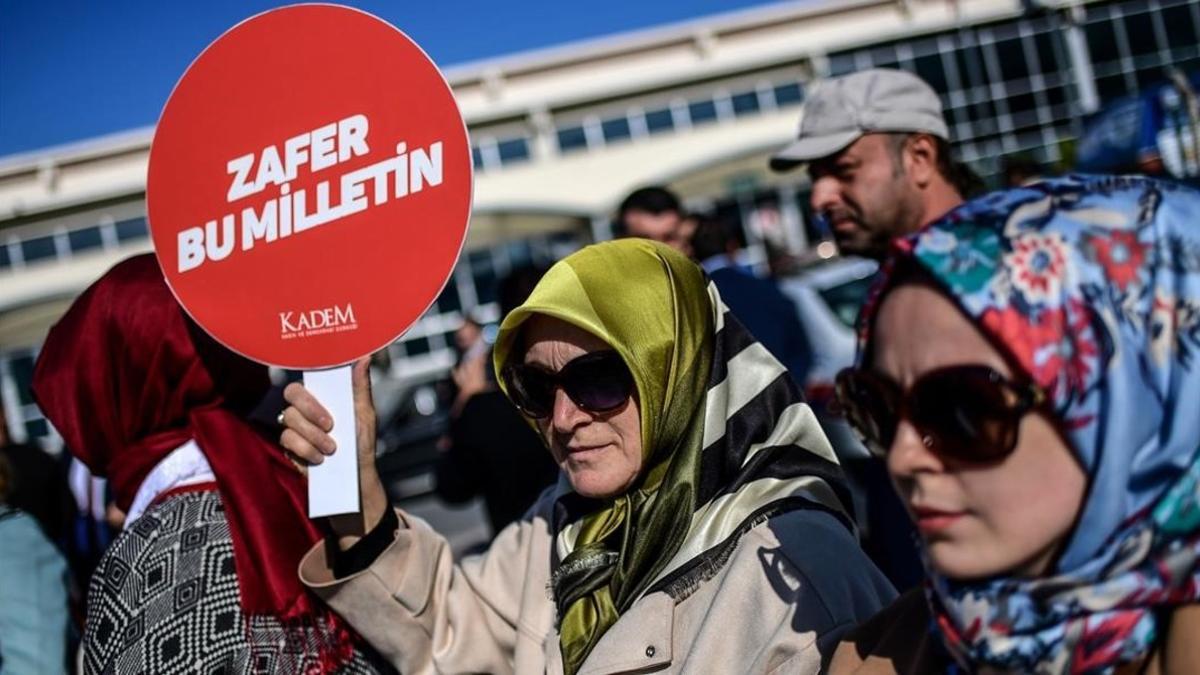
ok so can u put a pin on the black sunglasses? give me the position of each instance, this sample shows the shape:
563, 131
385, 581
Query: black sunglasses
598, 382
970, 413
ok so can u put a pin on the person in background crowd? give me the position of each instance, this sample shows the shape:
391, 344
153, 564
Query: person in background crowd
39, 485
1028, 372
700, 526
470, 348
202, 578
34, 618
758, 303
492, 451
878, 152
654, 213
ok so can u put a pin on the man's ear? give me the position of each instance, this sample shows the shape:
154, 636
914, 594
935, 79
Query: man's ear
920, 159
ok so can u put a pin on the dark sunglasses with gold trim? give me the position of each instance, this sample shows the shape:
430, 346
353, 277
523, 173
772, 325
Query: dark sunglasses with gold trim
970, 412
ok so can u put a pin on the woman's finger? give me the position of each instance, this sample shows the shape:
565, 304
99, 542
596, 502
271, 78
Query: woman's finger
308, 406
295, 444
314, 435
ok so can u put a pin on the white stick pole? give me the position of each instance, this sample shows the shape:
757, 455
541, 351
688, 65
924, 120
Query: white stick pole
333, 484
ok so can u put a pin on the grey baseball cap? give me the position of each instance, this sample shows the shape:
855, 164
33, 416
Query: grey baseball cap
841, 109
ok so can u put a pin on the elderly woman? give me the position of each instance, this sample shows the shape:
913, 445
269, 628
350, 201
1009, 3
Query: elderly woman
699, 525
203, 577
1029, 376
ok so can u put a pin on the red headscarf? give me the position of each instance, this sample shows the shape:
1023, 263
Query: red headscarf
126, 377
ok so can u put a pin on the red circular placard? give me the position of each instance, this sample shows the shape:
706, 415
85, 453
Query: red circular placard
331, 148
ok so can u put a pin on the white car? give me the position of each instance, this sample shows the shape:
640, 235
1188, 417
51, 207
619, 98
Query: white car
828, 297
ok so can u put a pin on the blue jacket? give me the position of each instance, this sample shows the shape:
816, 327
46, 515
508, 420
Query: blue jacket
33, 598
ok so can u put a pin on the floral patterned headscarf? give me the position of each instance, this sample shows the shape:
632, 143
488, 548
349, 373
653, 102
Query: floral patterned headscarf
1092, 285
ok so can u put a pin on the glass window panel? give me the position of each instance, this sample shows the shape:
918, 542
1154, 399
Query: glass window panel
1102, 42
88, 237
1150, 76
1056, 96
1111, 87
476, 157
745, 103
571, 139
787, 94
134, 228
660, 120
1021, 103
884, 55
840, 64
1026, 119
1181, 31
513, 150
615, 129
4, 259
416, 346
21, 367
954, 116
1047, 57
929, 68
1011, 56
37, 428
484, 275
702, 111
38, 248
519, 253
448, 300
1139, 28
970, 66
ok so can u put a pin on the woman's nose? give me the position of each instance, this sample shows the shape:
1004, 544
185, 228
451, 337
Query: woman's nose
911, 452
567, 415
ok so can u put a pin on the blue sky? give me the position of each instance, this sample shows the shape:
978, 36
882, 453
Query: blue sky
75, 69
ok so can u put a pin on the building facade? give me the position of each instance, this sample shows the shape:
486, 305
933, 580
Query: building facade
560, 135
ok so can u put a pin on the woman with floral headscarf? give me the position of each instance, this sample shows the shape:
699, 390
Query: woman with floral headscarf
699, 525
1028, 372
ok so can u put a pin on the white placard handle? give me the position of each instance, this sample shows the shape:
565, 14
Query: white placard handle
333, 484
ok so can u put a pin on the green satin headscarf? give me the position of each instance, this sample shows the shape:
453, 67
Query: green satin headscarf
650, 304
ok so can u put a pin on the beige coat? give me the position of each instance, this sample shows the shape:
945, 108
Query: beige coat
790, 589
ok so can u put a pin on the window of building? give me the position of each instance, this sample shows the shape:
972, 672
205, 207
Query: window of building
1139, 30
133, 228
1046, 53
615, 129
788, 94
660, 120
1011, 55
513, 150
476, 157
745, 103
87, 238
702, 112
483, 273
38, 248
1180, 27
416, 346
572, 139
930, 69
1102, 41
448, 301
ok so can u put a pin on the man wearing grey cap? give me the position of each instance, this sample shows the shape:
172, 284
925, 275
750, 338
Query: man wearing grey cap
878, 152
